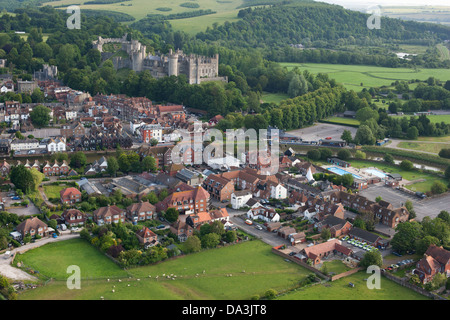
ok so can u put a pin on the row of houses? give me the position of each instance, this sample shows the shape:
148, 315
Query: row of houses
46, 168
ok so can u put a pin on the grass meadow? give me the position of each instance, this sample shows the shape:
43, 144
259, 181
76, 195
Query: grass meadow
352, 76
254, 269
340, 290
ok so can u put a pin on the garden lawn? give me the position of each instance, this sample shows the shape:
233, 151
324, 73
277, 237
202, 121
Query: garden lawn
336, 266
253, 268
53, 191
340, 290
344, 121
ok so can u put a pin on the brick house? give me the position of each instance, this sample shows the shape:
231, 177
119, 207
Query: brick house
73, 217
70, 195
147, 237
338, 227
32, 226
182, 230
141, 211
436, 260
321, 250
108, 215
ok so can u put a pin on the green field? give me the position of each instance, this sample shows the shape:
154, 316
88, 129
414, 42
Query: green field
273, 97
340, 290
351, 76
254, 269
434, 118
344, 121
226, 10
427, 147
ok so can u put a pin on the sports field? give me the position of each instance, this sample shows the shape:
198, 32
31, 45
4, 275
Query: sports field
351, 76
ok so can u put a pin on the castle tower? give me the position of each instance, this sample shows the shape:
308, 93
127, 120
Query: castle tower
173, 63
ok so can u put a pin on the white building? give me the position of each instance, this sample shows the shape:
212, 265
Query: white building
223, 163
56, 145
25, 144
263, 213
239, 199
150, 131
278, 191
71, 114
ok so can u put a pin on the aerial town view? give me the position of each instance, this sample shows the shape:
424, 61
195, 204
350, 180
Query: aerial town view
206, 150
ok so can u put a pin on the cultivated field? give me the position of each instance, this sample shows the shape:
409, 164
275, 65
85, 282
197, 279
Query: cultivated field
252, 266
226, 10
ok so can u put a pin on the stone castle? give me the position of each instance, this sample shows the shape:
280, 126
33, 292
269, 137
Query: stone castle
197, 69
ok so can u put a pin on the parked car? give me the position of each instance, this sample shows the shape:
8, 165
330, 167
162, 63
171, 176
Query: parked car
249, 222
161, 226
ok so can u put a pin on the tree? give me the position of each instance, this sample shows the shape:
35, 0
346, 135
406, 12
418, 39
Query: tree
347, 136
422, 245
344, 154
388, 158
313, 154
445, 216
22, 178
447, 172
230, 236
210, 240
360, 155
406, 165
270, 294
124, 163
171, 215
40, 116
407, 233
438, 187
297, 86
78, 160
37, 178
325, 234
192, 244
444, 153
37, 96
366, 113
371, 258
412, 133
378, 199
149, 164
364, 135
347, 180
325, 153
113, 166
218, 228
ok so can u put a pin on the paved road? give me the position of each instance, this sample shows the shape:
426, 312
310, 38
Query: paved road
14, 273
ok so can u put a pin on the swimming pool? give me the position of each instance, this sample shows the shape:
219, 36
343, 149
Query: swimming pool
341, 172
376, 173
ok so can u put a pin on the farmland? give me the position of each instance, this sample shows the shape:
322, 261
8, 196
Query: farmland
226, 10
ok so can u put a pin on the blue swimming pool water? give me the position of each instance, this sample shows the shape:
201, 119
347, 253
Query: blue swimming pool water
376, 173
341, 172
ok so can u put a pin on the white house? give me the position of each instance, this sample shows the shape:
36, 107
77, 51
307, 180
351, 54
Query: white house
57, 145
225, 162
278, 191
25, 144
71, 114
239, 199
263, 213
150, 131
